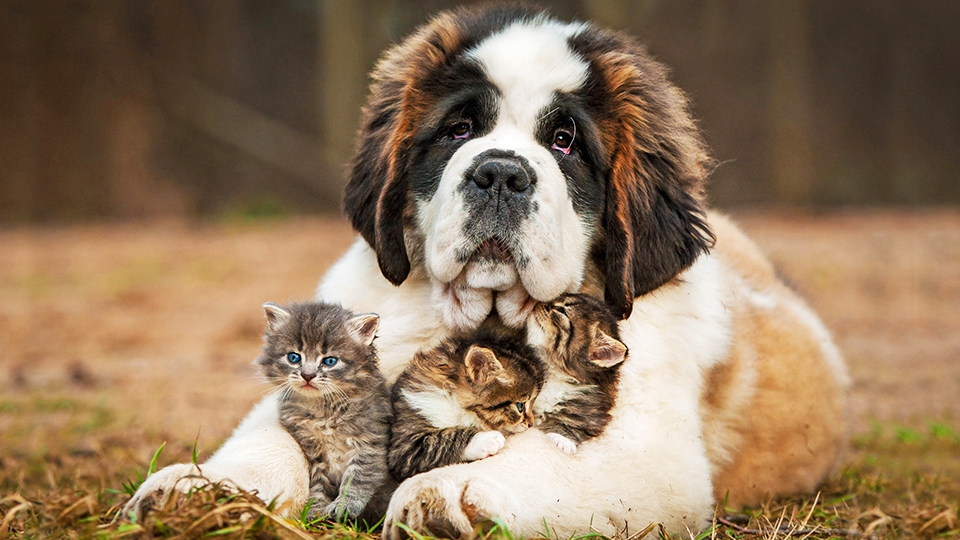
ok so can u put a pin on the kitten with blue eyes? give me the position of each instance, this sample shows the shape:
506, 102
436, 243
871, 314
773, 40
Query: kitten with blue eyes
578, 340
455, 402
334, 402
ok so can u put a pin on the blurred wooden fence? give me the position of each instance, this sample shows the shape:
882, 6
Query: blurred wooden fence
129, 108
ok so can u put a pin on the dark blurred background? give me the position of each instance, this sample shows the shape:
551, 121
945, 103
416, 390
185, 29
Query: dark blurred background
148, 108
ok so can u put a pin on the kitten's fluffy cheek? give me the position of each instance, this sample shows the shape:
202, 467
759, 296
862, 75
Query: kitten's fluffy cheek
484, 445
563, 443
462, 307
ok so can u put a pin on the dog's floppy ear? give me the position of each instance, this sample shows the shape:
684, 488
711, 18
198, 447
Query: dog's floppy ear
654, 224
651, 237
376, 195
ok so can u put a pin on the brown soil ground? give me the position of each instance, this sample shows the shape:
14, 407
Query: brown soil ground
153, 327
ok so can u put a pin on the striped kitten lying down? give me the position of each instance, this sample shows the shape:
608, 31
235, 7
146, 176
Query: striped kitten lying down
455, 401
577, 338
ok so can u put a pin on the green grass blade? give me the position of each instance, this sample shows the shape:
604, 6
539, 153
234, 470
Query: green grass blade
153, 462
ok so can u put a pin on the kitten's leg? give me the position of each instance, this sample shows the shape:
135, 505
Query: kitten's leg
364, 474
417, 446
566, 437
576, 420
319, 502
568, 446
484, 445
414, 453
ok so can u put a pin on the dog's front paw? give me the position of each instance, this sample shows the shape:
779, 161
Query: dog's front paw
440, 506
563, 443
484, 445
156, 489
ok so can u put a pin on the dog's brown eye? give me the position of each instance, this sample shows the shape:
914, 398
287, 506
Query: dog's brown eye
460, 130
562, 140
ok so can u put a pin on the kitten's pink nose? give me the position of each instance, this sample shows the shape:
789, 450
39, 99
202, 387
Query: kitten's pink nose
308, 376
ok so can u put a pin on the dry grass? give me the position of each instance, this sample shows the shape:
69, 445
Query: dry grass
114, 339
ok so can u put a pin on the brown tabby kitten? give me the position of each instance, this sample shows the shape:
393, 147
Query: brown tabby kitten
334, 401
577, 337
454, 402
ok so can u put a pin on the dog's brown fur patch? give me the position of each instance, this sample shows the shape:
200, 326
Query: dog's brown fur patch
774, 414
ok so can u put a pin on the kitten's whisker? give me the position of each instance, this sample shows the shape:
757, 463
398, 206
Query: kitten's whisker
287, 389
333, 394
341, 394
271, 381
263, 393
336, 390
324, 389
276, 389
258, 375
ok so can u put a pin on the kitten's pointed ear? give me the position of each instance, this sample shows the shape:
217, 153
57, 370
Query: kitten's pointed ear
482, 364
276, 316
606, 351
363, 328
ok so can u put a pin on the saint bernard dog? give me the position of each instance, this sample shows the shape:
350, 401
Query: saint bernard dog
505, 158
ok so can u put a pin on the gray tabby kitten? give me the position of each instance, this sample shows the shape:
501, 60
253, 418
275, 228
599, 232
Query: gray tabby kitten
334, 402
455, 402
577, 338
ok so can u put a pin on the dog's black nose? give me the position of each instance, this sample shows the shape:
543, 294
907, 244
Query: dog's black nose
500, 172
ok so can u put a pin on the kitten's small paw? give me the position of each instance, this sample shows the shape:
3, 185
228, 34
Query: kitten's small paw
318, 509
563, 443
340, 509
335, 511
484, 445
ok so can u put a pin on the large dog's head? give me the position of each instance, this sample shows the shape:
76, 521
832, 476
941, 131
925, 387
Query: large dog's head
503, 151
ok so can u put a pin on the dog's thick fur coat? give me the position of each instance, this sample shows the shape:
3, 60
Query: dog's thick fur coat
733, 390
